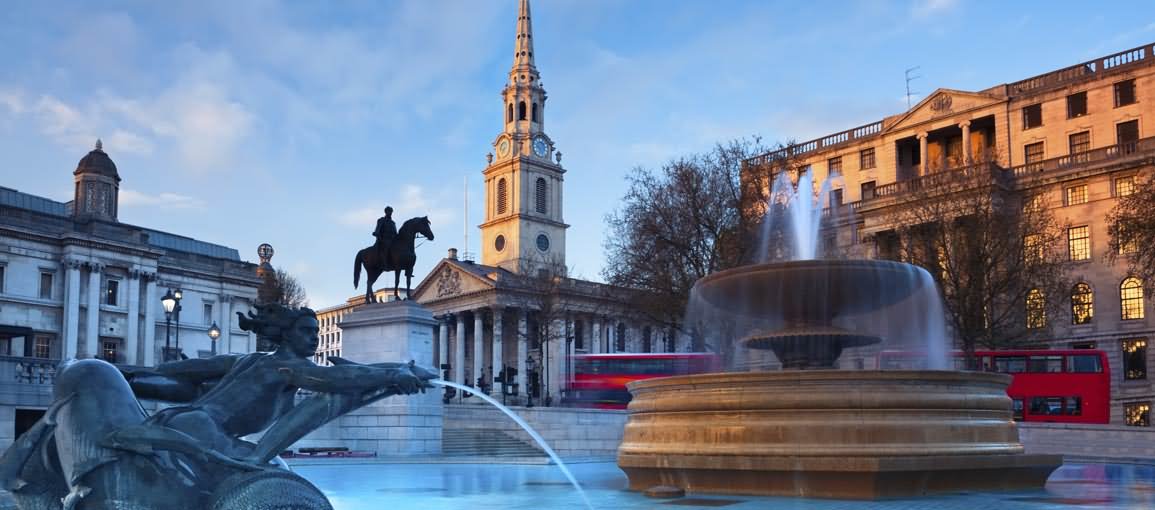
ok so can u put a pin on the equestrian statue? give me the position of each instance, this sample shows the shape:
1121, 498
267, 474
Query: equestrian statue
394, 251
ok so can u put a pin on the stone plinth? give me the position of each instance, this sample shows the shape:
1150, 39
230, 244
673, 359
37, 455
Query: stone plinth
397, 331
827, 433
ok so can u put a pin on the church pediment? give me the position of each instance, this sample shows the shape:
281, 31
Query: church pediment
448, 280
943, 103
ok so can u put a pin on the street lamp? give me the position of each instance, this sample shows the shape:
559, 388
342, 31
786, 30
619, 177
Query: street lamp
529, 368
169, 304
177, 294
214, 334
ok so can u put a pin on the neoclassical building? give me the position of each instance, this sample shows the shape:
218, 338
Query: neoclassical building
75, 282
1077, 136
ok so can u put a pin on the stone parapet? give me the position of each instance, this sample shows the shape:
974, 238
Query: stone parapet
1095, 442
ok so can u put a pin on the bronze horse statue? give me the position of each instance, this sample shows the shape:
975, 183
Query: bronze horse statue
397, 257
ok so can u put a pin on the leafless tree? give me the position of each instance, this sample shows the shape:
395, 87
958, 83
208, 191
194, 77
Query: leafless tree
280, 287
997, 255
1131, 225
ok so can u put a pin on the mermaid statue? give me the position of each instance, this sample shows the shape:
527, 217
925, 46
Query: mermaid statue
97, 449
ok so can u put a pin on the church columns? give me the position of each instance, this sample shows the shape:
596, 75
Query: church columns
498, 353
596, 339
522, 352
71, 308
459, 350
478, 373
966, 141
442, 343
92, 313
225, 342
923, 157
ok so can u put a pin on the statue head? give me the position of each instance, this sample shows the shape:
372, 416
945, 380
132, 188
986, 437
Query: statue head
388, 211
291, 328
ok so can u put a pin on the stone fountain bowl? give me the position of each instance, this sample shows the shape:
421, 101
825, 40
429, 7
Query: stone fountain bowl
805, 292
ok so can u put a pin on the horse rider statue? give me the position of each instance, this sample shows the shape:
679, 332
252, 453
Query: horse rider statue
385, 232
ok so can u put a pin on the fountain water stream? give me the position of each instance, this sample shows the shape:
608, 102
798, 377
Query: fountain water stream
532, 433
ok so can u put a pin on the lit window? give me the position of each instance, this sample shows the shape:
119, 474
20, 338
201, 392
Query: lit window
1079, 243
42, 346
1131, 298
1124, 93
1080, 142
108, 351
1137, 414
1082, 304
1076, 105
1124, 186
1033, 116
1036, 309
1033, 248
1134, 359
866, 158
834, 166
1033, 152
1128, 244
112, 293
1077, 194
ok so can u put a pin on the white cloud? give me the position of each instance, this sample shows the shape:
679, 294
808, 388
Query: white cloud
13, 101
411, 201
133, 198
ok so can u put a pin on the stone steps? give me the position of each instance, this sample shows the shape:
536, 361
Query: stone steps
476, 442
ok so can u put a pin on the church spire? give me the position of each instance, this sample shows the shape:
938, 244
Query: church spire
523, 48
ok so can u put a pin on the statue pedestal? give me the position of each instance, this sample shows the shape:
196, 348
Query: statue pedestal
396, 331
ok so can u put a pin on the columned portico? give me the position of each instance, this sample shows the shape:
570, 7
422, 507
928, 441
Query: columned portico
498, 353
922, 153
966, 141
443, 357
478, 375
522, 351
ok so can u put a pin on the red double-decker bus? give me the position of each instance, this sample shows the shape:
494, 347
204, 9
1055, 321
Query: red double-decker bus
599, 380
1072, 386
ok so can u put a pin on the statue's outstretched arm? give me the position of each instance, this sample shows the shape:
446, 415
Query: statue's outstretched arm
352, 378
177, 381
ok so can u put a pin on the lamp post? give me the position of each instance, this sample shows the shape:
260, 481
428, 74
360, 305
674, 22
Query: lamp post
214, 334
169, 304
177, 294
529, 367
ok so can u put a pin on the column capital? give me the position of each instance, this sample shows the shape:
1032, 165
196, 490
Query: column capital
148, 276
72, 263
965, 124
922, 135
94, 267
134, 273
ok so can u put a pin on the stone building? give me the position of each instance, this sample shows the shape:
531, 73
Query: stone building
1077, 136
75, 282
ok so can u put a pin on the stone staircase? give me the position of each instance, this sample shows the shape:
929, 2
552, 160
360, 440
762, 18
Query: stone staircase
478, 442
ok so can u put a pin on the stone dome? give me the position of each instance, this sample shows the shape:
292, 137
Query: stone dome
97, 162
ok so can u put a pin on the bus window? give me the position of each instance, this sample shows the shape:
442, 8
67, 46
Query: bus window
1010, 364
1045, 364
1084, 364
1017, 408
1074, 406
1046, 406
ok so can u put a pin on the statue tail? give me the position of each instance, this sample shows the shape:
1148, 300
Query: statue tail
356, 270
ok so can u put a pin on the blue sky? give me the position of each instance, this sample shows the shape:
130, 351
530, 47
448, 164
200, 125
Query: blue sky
294, 123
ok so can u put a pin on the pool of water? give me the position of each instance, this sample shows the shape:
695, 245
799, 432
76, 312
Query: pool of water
356, 486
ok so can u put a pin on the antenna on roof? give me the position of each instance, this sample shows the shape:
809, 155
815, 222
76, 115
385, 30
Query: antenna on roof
910, 78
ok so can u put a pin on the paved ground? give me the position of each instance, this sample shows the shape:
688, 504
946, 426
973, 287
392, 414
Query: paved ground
537, 487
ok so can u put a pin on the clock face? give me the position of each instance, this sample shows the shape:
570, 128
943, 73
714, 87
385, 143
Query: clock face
542, 242
540, 147
503, 147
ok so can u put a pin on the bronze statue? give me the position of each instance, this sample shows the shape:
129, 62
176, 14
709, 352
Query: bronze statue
386, 230
396, 255
96, 448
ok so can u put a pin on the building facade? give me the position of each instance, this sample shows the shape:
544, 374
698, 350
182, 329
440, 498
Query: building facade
1076, 136
77, 283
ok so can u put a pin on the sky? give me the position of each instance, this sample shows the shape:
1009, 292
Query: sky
295, 122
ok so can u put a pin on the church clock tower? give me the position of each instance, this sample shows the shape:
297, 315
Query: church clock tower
523, 230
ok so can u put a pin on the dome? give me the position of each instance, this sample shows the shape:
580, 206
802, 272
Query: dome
97, 162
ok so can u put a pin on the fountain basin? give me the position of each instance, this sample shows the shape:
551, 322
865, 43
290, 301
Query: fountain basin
827, 433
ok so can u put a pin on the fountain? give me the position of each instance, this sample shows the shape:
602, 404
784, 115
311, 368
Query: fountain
811, 430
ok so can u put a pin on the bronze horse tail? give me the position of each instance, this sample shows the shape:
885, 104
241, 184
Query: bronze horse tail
356, 269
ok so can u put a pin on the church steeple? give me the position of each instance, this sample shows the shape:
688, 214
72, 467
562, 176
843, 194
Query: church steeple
523, 48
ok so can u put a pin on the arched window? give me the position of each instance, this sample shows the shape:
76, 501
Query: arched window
540, 199
502, 196
1131, 298
535, 117
1082, 304
1036, 309
521, 110
509, 113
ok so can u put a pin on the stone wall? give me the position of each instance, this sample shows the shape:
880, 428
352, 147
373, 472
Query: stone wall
570, 432
1098, 442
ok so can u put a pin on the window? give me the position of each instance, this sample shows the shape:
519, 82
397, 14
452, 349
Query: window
1079, 243
1046, 406
1124, 185
1033, 152
1036, 309
502, 196
1137, 414
1074, 406
1124, 93
45, 285
112, 293
868, 189
1127, 133
836, 197
509, 113
1134, 359
1033, 248
1082, 304
1076, 105
834, 165
1045, 364
1128, 244
1017, 409
1084, 364
1080, 142
1, 279
42, 347
1033, 116
866, 158
1077, 194
1131, 298
521, 110
541, 189
1011, 364
534, 113
208, 313
109, 350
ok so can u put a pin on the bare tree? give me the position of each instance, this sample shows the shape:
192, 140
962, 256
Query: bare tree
679, 223
279, 287
996, 254
1131, 225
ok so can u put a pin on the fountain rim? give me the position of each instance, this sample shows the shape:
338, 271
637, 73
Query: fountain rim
802, 264
827, 376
